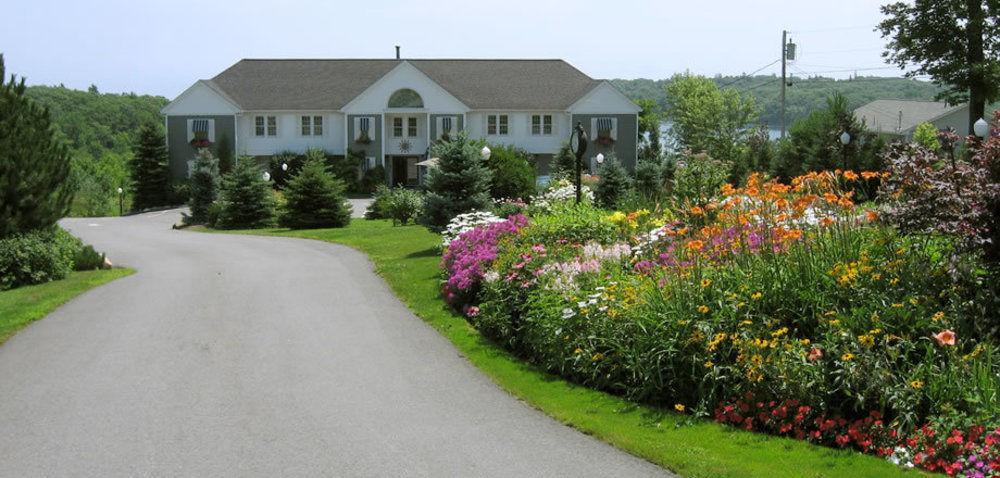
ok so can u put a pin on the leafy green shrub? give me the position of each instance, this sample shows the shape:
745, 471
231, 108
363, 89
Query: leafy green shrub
314, 199
513, 176
87, 259
35, 257
204, 185
460, 182
372, 179
650, 180
34, 163
400, 204
697, 180
926, 135
246, 198
614, 184
576, 223
563, 163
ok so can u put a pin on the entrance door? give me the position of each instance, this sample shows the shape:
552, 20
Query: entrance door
399, 170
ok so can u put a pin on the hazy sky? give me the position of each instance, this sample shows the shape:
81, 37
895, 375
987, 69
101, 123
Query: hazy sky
162, 47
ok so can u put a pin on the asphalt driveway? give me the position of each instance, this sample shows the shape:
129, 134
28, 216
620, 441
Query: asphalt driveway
250, 356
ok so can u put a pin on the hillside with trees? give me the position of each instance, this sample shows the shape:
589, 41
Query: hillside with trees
803, 97
100, 129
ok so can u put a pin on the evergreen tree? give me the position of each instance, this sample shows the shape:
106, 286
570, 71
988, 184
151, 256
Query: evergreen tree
150, 170
512, 173
224, 151
613, 185
245, 200
35, 190
650, 179
563, 163
204, 185
314, 199
460, 183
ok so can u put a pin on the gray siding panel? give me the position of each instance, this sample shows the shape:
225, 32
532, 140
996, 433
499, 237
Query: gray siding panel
180, 151
624, 147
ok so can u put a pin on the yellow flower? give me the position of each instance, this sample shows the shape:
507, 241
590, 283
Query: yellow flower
847, 357
897, 305
894, 281
937, 316
597, 357
679, 407
709, 364
578, 351
917, 384
756, 295
705, 283
703, 309
866, 340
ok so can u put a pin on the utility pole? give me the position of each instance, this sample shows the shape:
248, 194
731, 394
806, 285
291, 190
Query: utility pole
784, 58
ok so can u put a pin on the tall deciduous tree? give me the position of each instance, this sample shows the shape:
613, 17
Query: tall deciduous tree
150, 169
650, 148
459, 183
957, 42
707, 119
35, 190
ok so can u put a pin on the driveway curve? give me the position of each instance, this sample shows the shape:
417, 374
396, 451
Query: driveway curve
230, 355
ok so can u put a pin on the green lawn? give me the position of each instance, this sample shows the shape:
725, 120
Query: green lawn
408, 260
24, 305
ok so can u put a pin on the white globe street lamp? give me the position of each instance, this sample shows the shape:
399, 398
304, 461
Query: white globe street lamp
845, 138
284, 166
266, 176
120, 190
485, 153
600, 158
121, 201
981, 128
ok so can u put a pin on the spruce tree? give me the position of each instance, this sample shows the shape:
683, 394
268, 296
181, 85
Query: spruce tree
150, 169
224, 150
563, 164
204, 185
246, 200
613, 185
35, 190
459, 183
314, 199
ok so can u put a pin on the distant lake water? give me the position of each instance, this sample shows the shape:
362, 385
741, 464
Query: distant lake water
665, 127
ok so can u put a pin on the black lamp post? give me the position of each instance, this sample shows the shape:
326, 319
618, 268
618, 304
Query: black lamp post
578, 144
121, 201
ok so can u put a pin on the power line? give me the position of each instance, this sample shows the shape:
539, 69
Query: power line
750, 75
761, 85
849, 70
834, 29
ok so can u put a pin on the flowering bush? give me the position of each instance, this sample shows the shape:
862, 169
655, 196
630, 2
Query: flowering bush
788, 293
466, 222
559, 193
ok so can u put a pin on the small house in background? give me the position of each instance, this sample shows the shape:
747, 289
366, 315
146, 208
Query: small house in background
900, 118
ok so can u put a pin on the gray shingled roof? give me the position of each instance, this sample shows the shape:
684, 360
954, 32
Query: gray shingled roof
331, 84
899, 116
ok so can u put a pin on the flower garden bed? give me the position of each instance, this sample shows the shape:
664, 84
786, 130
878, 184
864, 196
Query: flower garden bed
785, 309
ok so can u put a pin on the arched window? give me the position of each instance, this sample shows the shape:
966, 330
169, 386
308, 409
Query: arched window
406, 98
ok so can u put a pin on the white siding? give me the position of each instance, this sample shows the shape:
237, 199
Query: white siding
289, 136
520, 130
604, 99
418, 143
199, 99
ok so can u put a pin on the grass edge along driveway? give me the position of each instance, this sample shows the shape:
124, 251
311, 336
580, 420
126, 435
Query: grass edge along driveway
407, 258
24, 305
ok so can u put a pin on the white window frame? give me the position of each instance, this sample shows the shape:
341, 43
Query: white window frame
614, 127
310, 125
541, 125
265, 123
411, 122
440, 126
496, 117
211, 129
402, 127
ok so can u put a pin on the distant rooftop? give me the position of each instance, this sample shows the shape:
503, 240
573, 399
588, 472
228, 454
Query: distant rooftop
901, 116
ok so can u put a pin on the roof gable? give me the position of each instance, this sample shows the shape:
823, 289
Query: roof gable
604, 98
201, 98
404, 76
899, 116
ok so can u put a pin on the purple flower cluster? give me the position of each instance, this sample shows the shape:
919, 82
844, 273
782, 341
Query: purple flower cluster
468, 256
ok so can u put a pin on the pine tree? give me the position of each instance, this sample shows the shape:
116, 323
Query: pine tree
204, 185
150, 170
459, 183
35, 190
314, 199
564, 163
246, 200
614, 184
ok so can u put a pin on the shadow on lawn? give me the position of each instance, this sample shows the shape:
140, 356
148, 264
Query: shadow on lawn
429, 252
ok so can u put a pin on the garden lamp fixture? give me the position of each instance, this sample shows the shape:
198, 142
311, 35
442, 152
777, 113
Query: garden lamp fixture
600, 158
578, 145
485, 153
284, 166
266, 176
121, 201
981, 128
845, 138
